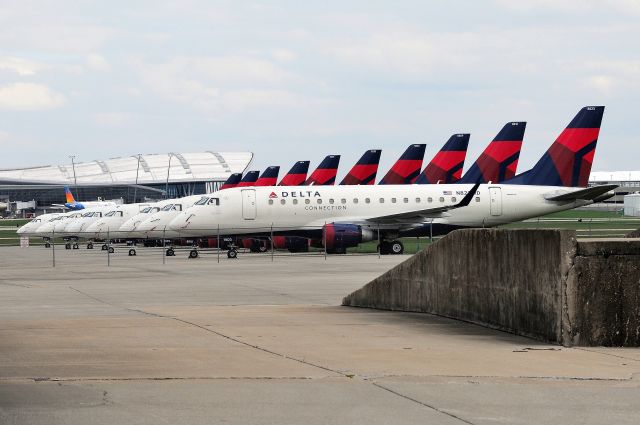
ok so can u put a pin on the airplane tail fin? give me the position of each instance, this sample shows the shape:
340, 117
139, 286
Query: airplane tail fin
249, 179
499, 160
568, 161
325, 174
69, 196
269, 177
365, 170
407, 168
297, 175
446, 166
232, 181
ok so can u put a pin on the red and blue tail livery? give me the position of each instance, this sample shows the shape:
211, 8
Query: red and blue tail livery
446, 166
232, 181
269, 177
499, 160
407, 168
365, 170
325, 174
249, 179
297, 175
568, 161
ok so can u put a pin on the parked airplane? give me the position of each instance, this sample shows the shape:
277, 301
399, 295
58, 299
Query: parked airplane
407, 167
29, 229
249, 179
326, 172
446, 166
364, 171
499, 160
72, 204
348, 215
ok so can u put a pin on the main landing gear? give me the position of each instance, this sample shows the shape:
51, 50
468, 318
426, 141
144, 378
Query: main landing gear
232, 253
391, 248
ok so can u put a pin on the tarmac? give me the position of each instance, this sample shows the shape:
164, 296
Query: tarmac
265, 342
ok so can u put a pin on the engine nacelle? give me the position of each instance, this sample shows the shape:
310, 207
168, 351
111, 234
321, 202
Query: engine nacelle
291, 243
339, 237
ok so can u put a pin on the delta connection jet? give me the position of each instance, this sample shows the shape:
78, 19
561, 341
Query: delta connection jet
347, 215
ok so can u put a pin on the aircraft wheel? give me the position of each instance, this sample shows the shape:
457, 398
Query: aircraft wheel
263, 248
67, 245
75, 246
171, 252
89, 245
111, 250
132, 252
232, 253
193, 253
104, 247
396, 248
384, 248
47, 245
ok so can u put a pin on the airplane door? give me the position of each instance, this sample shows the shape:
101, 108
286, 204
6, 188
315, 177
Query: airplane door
495, 196
249, 204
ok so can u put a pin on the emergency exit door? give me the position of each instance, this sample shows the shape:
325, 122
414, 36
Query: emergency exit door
249, 204
495, 196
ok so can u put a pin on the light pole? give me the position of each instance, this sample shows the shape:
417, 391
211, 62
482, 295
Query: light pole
135, 189
166, 186
73, 165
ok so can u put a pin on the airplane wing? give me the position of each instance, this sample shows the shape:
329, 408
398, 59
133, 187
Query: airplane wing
424, 214
588, 194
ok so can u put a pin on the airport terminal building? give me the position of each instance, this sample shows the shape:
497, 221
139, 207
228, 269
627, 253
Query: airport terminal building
131, 179
628, 183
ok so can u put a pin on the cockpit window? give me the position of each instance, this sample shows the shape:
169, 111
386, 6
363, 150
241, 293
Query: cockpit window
89, 214
146, 210
202, 201
111, 213
214, 201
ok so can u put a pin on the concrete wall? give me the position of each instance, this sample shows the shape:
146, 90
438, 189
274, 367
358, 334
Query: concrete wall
539, 283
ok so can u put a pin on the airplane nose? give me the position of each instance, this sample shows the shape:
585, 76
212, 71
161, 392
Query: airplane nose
181, 222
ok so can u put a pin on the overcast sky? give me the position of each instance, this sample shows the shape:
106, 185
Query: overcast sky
293, 80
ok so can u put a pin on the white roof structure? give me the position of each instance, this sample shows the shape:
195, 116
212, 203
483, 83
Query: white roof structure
185, 167
614, 176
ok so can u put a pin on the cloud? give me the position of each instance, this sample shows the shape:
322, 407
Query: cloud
111, 119
19, 66
97, 62
29, 97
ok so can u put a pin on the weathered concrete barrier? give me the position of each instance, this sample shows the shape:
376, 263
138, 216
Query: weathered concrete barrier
539, 283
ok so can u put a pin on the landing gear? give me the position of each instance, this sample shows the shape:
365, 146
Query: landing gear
391, 247
193, 253
232, 253
132, 252
75, 246
171, 252
67, 245
111, 250
47, 245
90, 245
104, 247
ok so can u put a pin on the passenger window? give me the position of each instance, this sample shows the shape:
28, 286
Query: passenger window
382, 200
406, 200
283, 201
319, 201
417, 200
441, 199
343, 201
477, 199
307, 201
295, 202
393, 200
270, 201
429, 199
453, 199
331, 201
355, 200
367, 200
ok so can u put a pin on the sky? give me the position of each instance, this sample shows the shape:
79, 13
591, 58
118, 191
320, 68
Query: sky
295, 80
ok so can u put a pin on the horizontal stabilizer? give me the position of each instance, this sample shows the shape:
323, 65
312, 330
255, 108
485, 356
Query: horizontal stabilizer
588, 194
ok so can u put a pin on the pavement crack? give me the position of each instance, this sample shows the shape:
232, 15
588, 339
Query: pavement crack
406, 397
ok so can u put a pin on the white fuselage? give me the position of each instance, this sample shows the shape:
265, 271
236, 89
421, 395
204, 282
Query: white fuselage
284, 209
57, 225
29, 229
157, 224
107, 227
76, 227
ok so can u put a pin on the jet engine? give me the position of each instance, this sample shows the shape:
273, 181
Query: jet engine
339, 237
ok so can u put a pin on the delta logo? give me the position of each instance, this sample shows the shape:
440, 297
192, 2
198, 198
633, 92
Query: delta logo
273, 195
